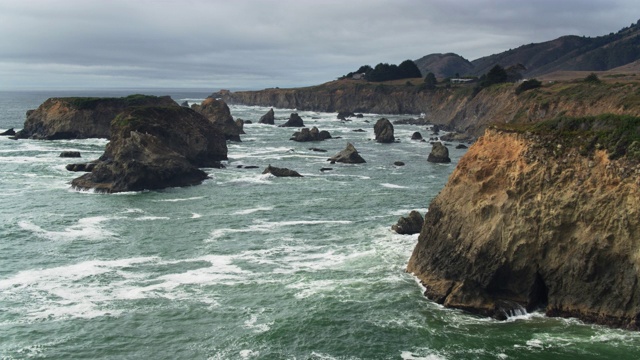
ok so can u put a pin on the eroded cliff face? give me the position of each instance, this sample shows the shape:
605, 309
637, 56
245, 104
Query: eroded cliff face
525, 221
460, 107
219, 115
81, 117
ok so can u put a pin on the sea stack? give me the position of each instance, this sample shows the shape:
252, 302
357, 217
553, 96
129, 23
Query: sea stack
384, 131
155, 148
219, 115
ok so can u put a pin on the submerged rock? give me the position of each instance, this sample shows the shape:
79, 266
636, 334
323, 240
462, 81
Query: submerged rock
310, 135
384, 131
70, 154
281, 172
9, 132
317, 150
154, 148
439, 154
85, 167
343, 115
348, 156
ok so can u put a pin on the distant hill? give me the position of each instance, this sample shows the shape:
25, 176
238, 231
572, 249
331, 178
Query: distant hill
566, 53
444, 65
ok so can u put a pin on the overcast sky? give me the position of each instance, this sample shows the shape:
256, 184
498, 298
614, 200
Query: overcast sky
79, 44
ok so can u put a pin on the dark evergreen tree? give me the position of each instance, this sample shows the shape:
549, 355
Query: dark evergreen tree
408, 69
496, 75
430, 81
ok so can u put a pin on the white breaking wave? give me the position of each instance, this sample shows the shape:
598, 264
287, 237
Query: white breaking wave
85, 229
407, 355
181, 199
393, 186
94, 288
253, 210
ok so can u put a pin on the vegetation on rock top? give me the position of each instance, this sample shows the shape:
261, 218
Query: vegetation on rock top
90, 103
619, 135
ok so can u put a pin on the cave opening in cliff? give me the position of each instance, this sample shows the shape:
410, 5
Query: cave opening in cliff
539, 294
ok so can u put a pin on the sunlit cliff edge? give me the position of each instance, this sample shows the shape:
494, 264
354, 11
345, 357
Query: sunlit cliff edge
530, 221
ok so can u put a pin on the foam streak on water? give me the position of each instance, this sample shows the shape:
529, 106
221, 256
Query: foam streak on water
246, 265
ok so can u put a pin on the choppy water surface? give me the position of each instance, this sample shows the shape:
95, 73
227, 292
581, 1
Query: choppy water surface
244, 266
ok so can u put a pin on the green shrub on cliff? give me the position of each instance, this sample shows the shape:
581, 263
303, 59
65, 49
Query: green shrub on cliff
618, 134
90, 103
528, 85
430, 81
592, 78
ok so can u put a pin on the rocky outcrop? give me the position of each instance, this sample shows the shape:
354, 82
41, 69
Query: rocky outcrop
268, 118
281, 172
310, 135
409, 225
154, 148
531, 220
70, 154
219, 115
81, 117
439, 153
416, 136
294, 121
81, 167
9, 132
343, 115
383, 130
240, 124
348, 156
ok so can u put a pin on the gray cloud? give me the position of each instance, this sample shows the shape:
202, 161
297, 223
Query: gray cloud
262, 43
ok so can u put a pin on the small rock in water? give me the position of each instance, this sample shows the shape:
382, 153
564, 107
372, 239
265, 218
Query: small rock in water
439, 154
70, 154
281, 172
10, 132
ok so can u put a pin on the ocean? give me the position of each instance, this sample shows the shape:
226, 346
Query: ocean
244, 266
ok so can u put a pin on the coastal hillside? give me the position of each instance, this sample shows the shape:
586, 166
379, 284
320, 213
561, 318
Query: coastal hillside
461, 107
566, 53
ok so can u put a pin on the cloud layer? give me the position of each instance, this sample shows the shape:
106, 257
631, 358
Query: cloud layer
263, 43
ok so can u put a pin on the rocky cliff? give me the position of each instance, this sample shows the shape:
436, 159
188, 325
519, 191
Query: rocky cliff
463, 108
535, 219
219, 115
81, 117
154, 148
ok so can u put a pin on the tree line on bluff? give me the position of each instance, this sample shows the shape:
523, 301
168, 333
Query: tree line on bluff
408, 69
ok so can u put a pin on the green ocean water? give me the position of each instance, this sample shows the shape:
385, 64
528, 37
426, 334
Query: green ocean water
244, 266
